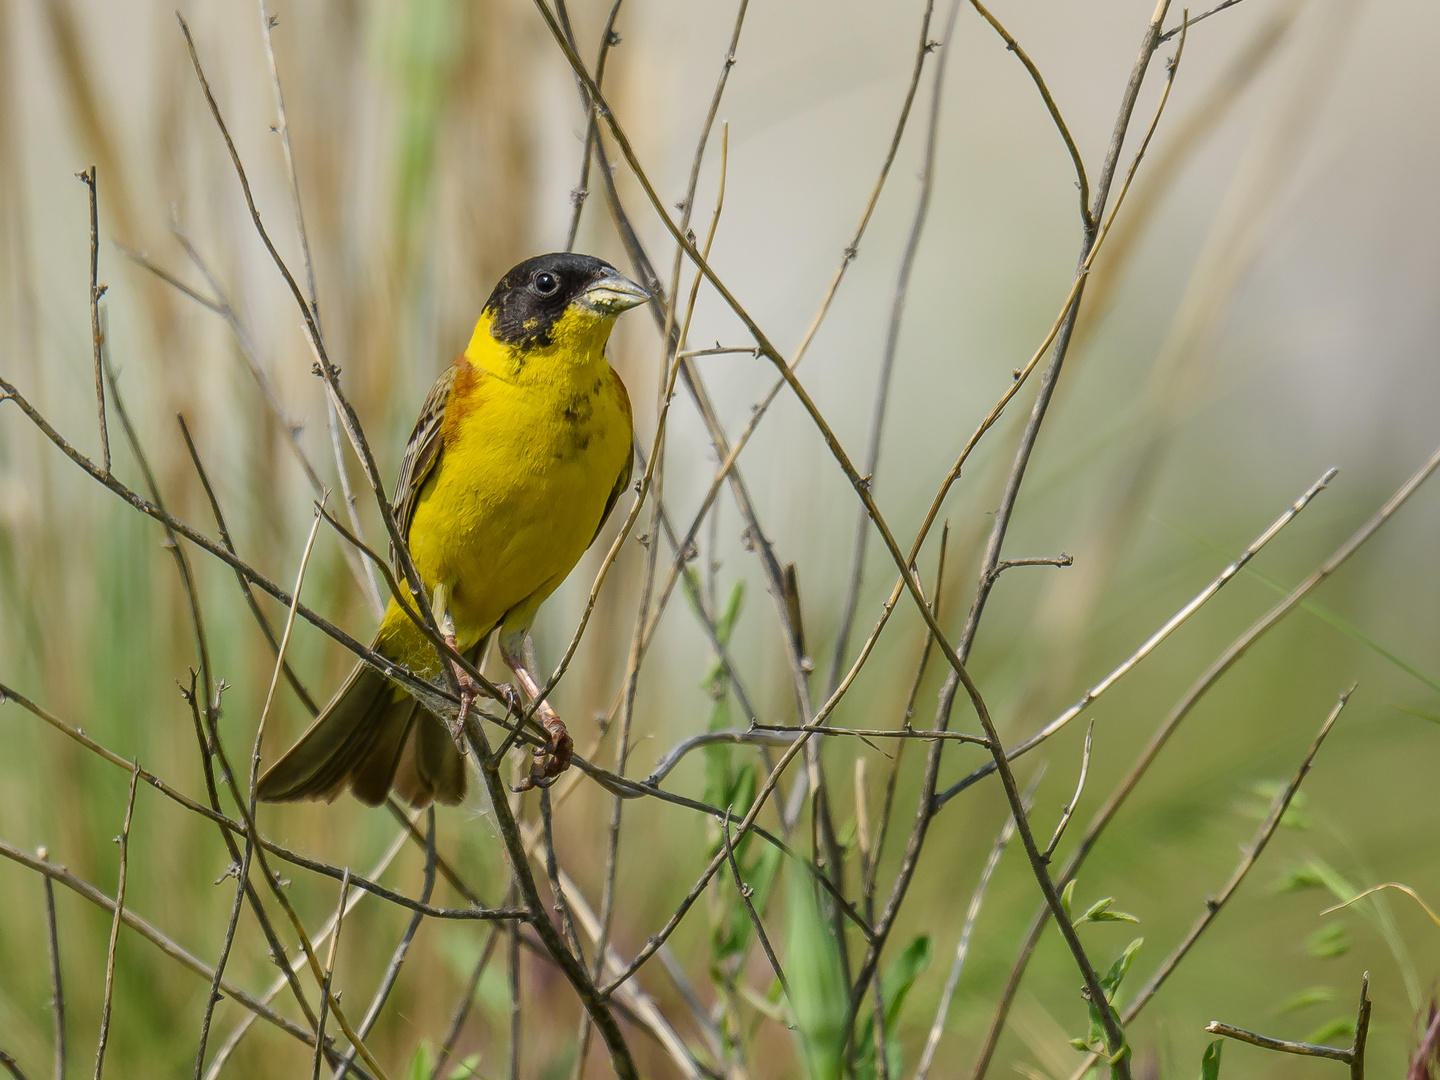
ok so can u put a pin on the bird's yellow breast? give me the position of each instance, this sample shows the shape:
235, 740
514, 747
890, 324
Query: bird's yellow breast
533, 444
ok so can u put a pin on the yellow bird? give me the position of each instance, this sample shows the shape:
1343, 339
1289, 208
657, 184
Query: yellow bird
522, 448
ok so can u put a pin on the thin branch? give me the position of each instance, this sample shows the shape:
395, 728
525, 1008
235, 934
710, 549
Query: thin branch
124, 841
608, 40
329, 976
332, 418
212, 998
1005, 564
8, 1062
851, 600
1227, 659
1284, 1046
962, 948
424, 619
97, 337
887, 806
1197, 19
463, 1005
57, 986
594, 1001
326, 931
1152, 642
512, 931
745, 893
1247, 862
397, 958
1069, 809
249, 593
1353, 1055
1087, 218
59, 873
641, 1005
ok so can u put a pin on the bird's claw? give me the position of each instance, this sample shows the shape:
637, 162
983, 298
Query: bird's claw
550, 760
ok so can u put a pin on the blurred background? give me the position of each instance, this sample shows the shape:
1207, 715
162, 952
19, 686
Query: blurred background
1266, 308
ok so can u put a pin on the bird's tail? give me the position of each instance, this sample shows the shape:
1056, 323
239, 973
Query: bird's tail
372, 736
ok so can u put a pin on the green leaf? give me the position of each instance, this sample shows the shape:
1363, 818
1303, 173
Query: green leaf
1210, 1063
894, 988
1113, 916
1068, 896
1329, 941
725, 624
1080, 1044
1111, 981
421, 1063
1314, 995
817, 981
715, 680
1100, 912
1338, 1030
718, 757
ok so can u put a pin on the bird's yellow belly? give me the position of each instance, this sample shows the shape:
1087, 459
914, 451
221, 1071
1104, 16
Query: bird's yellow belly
514, 502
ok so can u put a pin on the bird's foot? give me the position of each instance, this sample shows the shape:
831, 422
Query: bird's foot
469, 691
552, 759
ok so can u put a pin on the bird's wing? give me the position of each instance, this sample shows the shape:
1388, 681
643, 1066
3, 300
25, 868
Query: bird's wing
422, 450
623, 480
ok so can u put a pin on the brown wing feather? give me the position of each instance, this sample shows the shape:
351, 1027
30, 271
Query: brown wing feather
422, 450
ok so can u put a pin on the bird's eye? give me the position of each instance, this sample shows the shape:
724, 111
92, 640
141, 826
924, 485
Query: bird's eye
545, 283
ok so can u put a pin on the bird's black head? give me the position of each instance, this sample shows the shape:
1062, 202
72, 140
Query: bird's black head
533, 297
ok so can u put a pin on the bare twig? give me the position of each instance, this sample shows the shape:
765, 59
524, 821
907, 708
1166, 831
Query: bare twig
329, 975
593, 1000
1069, 809
1304, 1049
1251, 856
608, 39
57, 872
745, 893
512, 931
892, 340
326, 931
1045, 560
97, 290
1152, 642
1352, 1055
463, 1004
1197, 19
962, 948
242, 882
1227, 659
1087, 216
332, 417
124, 841
57, 986
392, 970
423, 618
10, 1065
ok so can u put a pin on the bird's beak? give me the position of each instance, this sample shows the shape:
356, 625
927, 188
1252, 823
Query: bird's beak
613, 294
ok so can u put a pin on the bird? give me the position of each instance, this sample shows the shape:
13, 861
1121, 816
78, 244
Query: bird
521, 451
